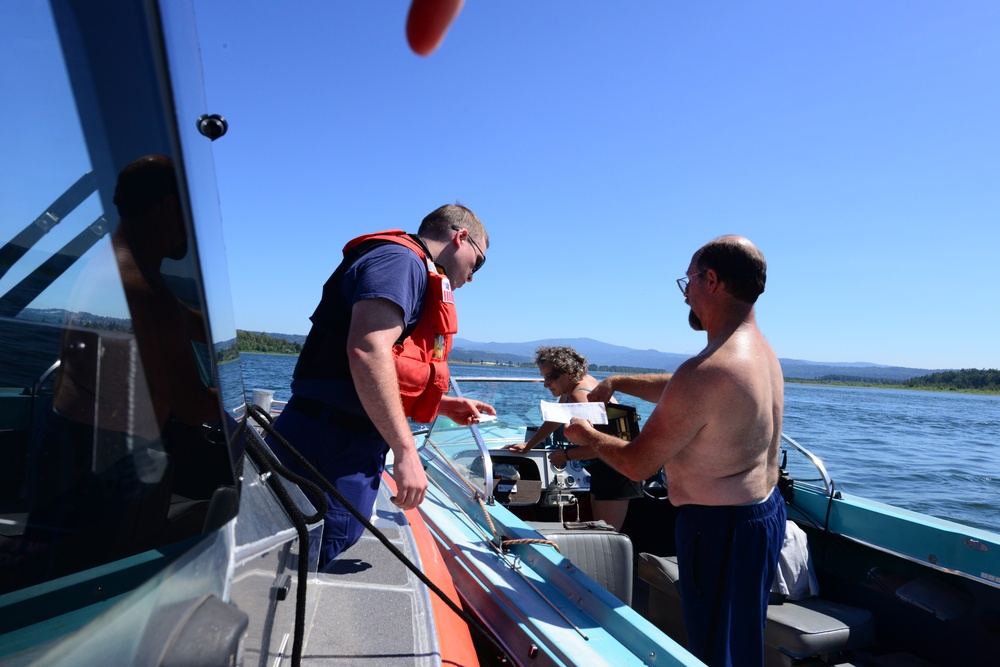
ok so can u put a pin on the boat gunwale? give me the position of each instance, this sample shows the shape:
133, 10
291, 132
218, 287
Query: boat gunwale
566, 590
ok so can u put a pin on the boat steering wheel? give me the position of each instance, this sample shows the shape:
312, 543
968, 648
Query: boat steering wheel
655, 487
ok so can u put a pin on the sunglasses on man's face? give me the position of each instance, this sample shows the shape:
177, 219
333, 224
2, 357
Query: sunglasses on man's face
480, 255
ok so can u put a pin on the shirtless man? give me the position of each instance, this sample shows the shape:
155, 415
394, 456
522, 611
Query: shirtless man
716, 431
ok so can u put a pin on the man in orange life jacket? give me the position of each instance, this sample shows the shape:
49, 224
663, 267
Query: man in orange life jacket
376, 354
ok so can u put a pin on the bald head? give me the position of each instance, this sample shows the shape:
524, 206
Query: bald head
146, 196
738, 263
145, 183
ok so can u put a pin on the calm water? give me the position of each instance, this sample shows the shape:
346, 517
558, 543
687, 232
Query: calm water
930, 452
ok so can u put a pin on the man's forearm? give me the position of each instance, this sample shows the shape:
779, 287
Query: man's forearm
648, 387
616, 452
611, 450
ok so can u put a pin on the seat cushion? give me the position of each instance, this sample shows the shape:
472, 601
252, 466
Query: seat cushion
596, 548
660, 572
816, 627
813, 626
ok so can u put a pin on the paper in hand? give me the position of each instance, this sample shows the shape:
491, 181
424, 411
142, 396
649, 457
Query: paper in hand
564, 412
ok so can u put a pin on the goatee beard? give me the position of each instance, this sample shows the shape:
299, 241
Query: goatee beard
694, 321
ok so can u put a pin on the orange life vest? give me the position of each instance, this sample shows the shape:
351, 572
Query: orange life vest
422, 357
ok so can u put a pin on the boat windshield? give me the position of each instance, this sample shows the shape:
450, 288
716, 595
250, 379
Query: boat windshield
460, 451
112, 431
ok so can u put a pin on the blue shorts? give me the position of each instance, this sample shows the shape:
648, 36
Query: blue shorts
727, 558
351, 461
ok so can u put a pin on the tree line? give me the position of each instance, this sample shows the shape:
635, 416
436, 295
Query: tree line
962, 380
248, 341
966, 380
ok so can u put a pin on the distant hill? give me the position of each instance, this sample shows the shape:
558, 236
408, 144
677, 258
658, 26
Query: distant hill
854, 372
606, 354
596, 352
78, 318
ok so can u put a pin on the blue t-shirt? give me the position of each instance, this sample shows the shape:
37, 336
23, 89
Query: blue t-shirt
388, 271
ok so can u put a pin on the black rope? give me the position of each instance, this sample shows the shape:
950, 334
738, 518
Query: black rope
267, 423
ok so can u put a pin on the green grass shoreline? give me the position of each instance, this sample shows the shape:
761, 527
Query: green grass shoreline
885, 385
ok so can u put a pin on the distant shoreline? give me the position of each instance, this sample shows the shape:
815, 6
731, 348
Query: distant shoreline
877, 385
825, 383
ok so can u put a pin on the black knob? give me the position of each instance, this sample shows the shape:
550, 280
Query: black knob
213, 126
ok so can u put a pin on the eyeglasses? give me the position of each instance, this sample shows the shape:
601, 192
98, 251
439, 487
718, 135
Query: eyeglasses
682, 283
480, 255
553, 376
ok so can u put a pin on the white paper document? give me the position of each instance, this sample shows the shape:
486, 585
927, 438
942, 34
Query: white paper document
564, 412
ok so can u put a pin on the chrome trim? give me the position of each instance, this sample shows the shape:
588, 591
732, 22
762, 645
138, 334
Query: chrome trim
245, 552
495, 379
816, 461
40, 382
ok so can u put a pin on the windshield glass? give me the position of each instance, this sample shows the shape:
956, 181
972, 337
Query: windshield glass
461, 452
111, 431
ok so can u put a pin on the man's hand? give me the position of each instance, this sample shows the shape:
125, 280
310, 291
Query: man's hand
464, 411
519, 449
411, 480
558, 457
603, 392
580, 432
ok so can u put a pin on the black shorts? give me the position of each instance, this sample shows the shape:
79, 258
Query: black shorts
606, 483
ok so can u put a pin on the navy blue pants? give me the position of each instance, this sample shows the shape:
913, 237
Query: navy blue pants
352, 462
727, 558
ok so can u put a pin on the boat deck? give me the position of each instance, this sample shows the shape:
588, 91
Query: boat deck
369, 610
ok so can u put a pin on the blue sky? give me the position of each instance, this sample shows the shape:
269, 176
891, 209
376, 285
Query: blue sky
856, 143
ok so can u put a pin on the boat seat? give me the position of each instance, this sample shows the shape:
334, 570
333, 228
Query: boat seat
664, 611
815, 626
602, 553
794, 630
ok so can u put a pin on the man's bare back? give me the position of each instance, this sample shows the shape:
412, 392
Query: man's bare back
733, 458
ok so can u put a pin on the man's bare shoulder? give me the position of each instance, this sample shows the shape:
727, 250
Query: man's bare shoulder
714, 381
705, 369
692, 388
